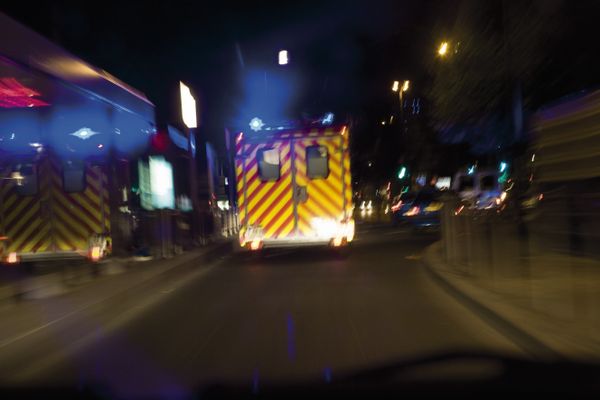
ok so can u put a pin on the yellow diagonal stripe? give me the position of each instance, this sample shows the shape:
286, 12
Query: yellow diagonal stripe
14, 228
287, 229
65, 203
11, 200
14, 213
332, 196
277, 224
41, 233
34, 224
268, 202
81, 230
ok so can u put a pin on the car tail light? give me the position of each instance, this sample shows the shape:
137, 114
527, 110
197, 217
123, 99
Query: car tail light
397, 206
413, 211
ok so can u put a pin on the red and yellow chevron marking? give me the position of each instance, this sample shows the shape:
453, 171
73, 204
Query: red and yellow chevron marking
23, 218
76, 216
268, 204
347, 173
325, 196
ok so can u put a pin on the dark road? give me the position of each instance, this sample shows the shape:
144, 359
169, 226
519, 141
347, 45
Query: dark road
289, 314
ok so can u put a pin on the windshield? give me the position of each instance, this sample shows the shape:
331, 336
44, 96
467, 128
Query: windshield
466, 183
332, 193
488, 182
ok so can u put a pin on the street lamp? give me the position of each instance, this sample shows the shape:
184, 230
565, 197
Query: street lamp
443, 49
396, 88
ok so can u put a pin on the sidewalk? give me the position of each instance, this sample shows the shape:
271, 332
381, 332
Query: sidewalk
17, 284
554, 301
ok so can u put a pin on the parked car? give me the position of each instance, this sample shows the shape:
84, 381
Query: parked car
401, 204
424, 210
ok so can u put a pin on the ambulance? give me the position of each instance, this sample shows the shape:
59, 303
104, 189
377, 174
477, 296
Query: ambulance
294, 187
70, 134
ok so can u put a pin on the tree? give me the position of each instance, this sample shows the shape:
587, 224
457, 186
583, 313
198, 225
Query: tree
494, 47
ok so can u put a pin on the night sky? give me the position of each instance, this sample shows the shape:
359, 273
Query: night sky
343, 54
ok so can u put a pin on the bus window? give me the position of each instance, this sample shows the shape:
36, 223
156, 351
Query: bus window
27, 184
317, 162
268, 164
73, 176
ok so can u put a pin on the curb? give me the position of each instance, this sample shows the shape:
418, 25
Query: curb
519, 336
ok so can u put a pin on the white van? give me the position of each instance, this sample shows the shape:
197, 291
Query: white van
480, 189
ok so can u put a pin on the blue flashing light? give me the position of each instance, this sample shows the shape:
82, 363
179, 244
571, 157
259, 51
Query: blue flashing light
503, 166
256, 124
471, 170
84, 133
328, 119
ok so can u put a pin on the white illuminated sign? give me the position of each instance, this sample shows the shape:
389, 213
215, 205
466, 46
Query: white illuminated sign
188, 106
161, 183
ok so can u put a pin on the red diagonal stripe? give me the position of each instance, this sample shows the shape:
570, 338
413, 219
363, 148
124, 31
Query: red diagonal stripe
326, 196
284, 225
268, 193
275, 219
285, 192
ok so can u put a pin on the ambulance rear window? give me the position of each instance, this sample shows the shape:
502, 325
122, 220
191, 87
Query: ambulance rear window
268, 164
73, 176
27, 179
317, 162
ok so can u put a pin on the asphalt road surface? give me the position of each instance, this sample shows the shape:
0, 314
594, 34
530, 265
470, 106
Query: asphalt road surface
302, 314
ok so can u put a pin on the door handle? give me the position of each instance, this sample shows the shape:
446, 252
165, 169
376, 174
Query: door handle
301, 194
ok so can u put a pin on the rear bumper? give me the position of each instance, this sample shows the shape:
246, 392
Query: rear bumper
296, 242
51, 256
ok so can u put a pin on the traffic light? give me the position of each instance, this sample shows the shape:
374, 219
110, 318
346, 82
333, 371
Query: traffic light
402, 173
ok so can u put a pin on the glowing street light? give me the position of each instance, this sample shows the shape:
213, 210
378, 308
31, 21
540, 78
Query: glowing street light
443, 49
405, 86
396, 88
283, 57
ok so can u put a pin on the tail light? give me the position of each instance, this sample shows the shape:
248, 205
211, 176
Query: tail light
255, 244
95, 253
12, 258
413, 211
